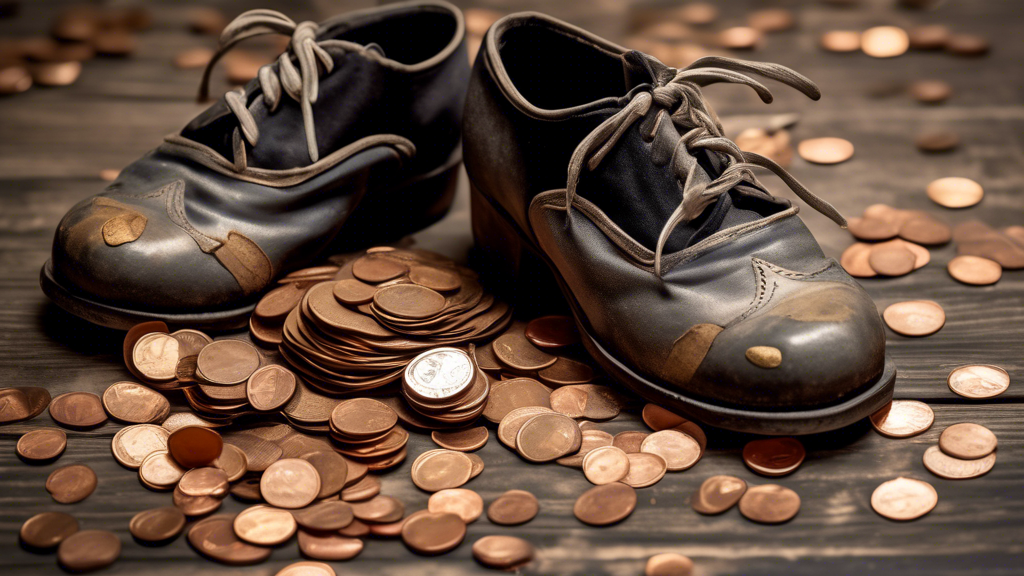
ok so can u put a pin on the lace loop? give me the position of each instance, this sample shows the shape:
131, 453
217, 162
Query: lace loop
682, 99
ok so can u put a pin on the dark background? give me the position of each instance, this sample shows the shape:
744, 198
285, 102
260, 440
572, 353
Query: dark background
54, 143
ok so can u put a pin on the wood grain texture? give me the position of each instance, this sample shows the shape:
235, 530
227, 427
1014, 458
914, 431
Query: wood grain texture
54, 142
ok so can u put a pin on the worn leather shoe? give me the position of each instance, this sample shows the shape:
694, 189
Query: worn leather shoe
691, 284
351, 135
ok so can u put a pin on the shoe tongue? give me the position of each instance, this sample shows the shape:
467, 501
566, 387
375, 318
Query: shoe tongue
640, 68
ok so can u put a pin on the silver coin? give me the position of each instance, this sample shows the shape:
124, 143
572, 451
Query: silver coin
440, 373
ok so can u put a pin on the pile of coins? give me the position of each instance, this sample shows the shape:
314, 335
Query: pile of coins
983, 252
444, 386
897, 238
367, 431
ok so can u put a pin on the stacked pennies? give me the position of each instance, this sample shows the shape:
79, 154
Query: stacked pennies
444, 386
367, 431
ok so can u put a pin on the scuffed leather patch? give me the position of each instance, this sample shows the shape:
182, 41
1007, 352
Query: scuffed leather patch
246, 261
123, 228
688, 352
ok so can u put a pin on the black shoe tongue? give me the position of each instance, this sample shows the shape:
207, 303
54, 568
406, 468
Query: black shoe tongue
642, 68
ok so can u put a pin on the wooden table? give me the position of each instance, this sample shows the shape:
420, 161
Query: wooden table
54, 142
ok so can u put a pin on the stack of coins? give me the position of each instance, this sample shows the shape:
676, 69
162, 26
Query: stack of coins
367, 431
444, 386
267, 321
892, 241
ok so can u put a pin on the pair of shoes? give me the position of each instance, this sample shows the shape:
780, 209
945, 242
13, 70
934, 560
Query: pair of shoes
689, 282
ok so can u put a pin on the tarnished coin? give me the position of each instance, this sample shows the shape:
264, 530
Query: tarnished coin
247, 489
47, 529
22, 403
515, 351
290, 483
566, 372
331, 546
207, 481
215, 538
605, 464
552, 332
159, 471
439, 374
328, 515
155, 356
855, 261
628, 441
307, 569
502, 552
379, 509
884, 41
718, 494
435, 278
232, 461
409, 301
904, 499
903, 419
353, 292
277, 303
511, 423
974, 270
591, 439
658, 418
774, 456
825, 150
841, 40
928, 37
42, 445
513, 507
441, 469
955, 192
158, 524
270, 387
604, 505
769, 504
89, 550
194, 446
363, 417
978, 381
668, 564
937, 140
264, 526
679, 450
72, 483
135, 403
945, 466
590, 401
228, 362
547, 437
78, 410
967, 45
915, 317
644, 470
376, 269
891, 259
967, 441
508, 395
464, 440
466, 504
433, 532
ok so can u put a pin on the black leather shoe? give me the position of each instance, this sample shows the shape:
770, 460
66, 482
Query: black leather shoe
691, 283
352, 134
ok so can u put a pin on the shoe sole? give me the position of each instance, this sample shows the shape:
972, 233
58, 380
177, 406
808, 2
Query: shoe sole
500, 239
436, 189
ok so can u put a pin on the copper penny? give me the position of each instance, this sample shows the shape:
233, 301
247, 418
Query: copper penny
380, 509
628, 441
931, 91
658, 418
868, 228
967, 441
771, 19
718, 494
232, 461
193, 58
464, 440
967, 45
329, 515
507, 395
72, 483
680, 451
363, 417
264, 526
159, 471
928, 37
591, 401
774, 456
270, 387
697, 13
208, 481
644, 470
565, 372
936, 140
502, 552
433, 532
945, 466
228, 362
330, 546
333, 470
604, 505
825, 150
47, 529
891, 259
22, 403
290, 483
364, 489
14, 79
194, 446
155, 356
915, 317
376, 269
478, 465
509, 426
158, 524
855, 261
547, 437
55, 73
841, 40
515, 351
435, 278
739, 38
552, 332
925, 230
668, 564
259, 453
974, 270
513, 507
195, 505
903, 419
353, 292
42, 445
215, 538
955, 192
277, 303
78, 410
89, 550
135, 403
904, 499
605, 464
247, 489
409, 301
769, 504
978, 381
466, 504
884, 41
307, 569
440, 469
591, 439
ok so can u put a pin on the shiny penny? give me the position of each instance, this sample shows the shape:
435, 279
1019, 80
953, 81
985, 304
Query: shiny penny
135, 403
155, 356
718, 494
466, 504
769, 504
270, 387
915, 317
605, 464
841, 41
78, 410
855, 261
771, 19
514, 350
307, 569
592, 439
325, 516
194, 446
967, 45
363, 417
605, 505
195, 505
628, 441
441, 469
465, 440
228, 362
774, 456
159, 471
679, 450
884, 41
547, 437
133, 444
929, 37
433, 532
974, 270
215, 538
552, 332
513, 507
945, 466
89, 550
206, 481
967, 441
42, 445
47, 529
502, 552
924, 230
978, 381
565, 372
668, 564
512, 422
904, 499
644, 470
409, 301
739, 38
158, 524
825, 150
290, 483
903, 419
330, 546
264, 526
70, 484
22, 403
955, 192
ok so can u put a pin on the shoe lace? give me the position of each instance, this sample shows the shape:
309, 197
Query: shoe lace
682, 98
301, 84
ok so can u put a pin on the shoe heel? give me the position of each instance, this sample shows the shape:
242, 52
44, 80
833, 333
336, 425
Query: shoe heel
508, 266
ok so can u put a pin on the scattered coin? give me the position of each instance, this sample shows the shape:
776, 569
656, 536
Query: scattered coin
14, 79
509, 395
228, 362
872, 229
931, 91
904, 499
512, 422
967, 45
441, 469
658, 418
903, 419
22, 403
774, 457
514, 350
928, 37
158, 524
841, 41
769, 504
547, 437
591, 401
915, 317
47, 530
855, 260
955, 192
115, 42
324, 516
232, 461
42, 444
331, 546
628, 441
502, 552
605, 464
951, 468
307, 569
72, 483
194, 446
193, 58
290, 483
771, 20
679, 450
55, 73
334, 471
644, 470
891, 259
937, 140
207, 481
974, 270
264, 526
924, 230
215, 538
552, 332
884, 41
718, 494
466, 504
591, 439
89, 550
464, 440
433, 532
155, 356
135, 403
668, 564
740, 38
379, 509
513, 507
605, 505
967, 441
270, 387
159, 471
978, 381
975, 238
364, 489
825, 150
195, 505
78, 410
